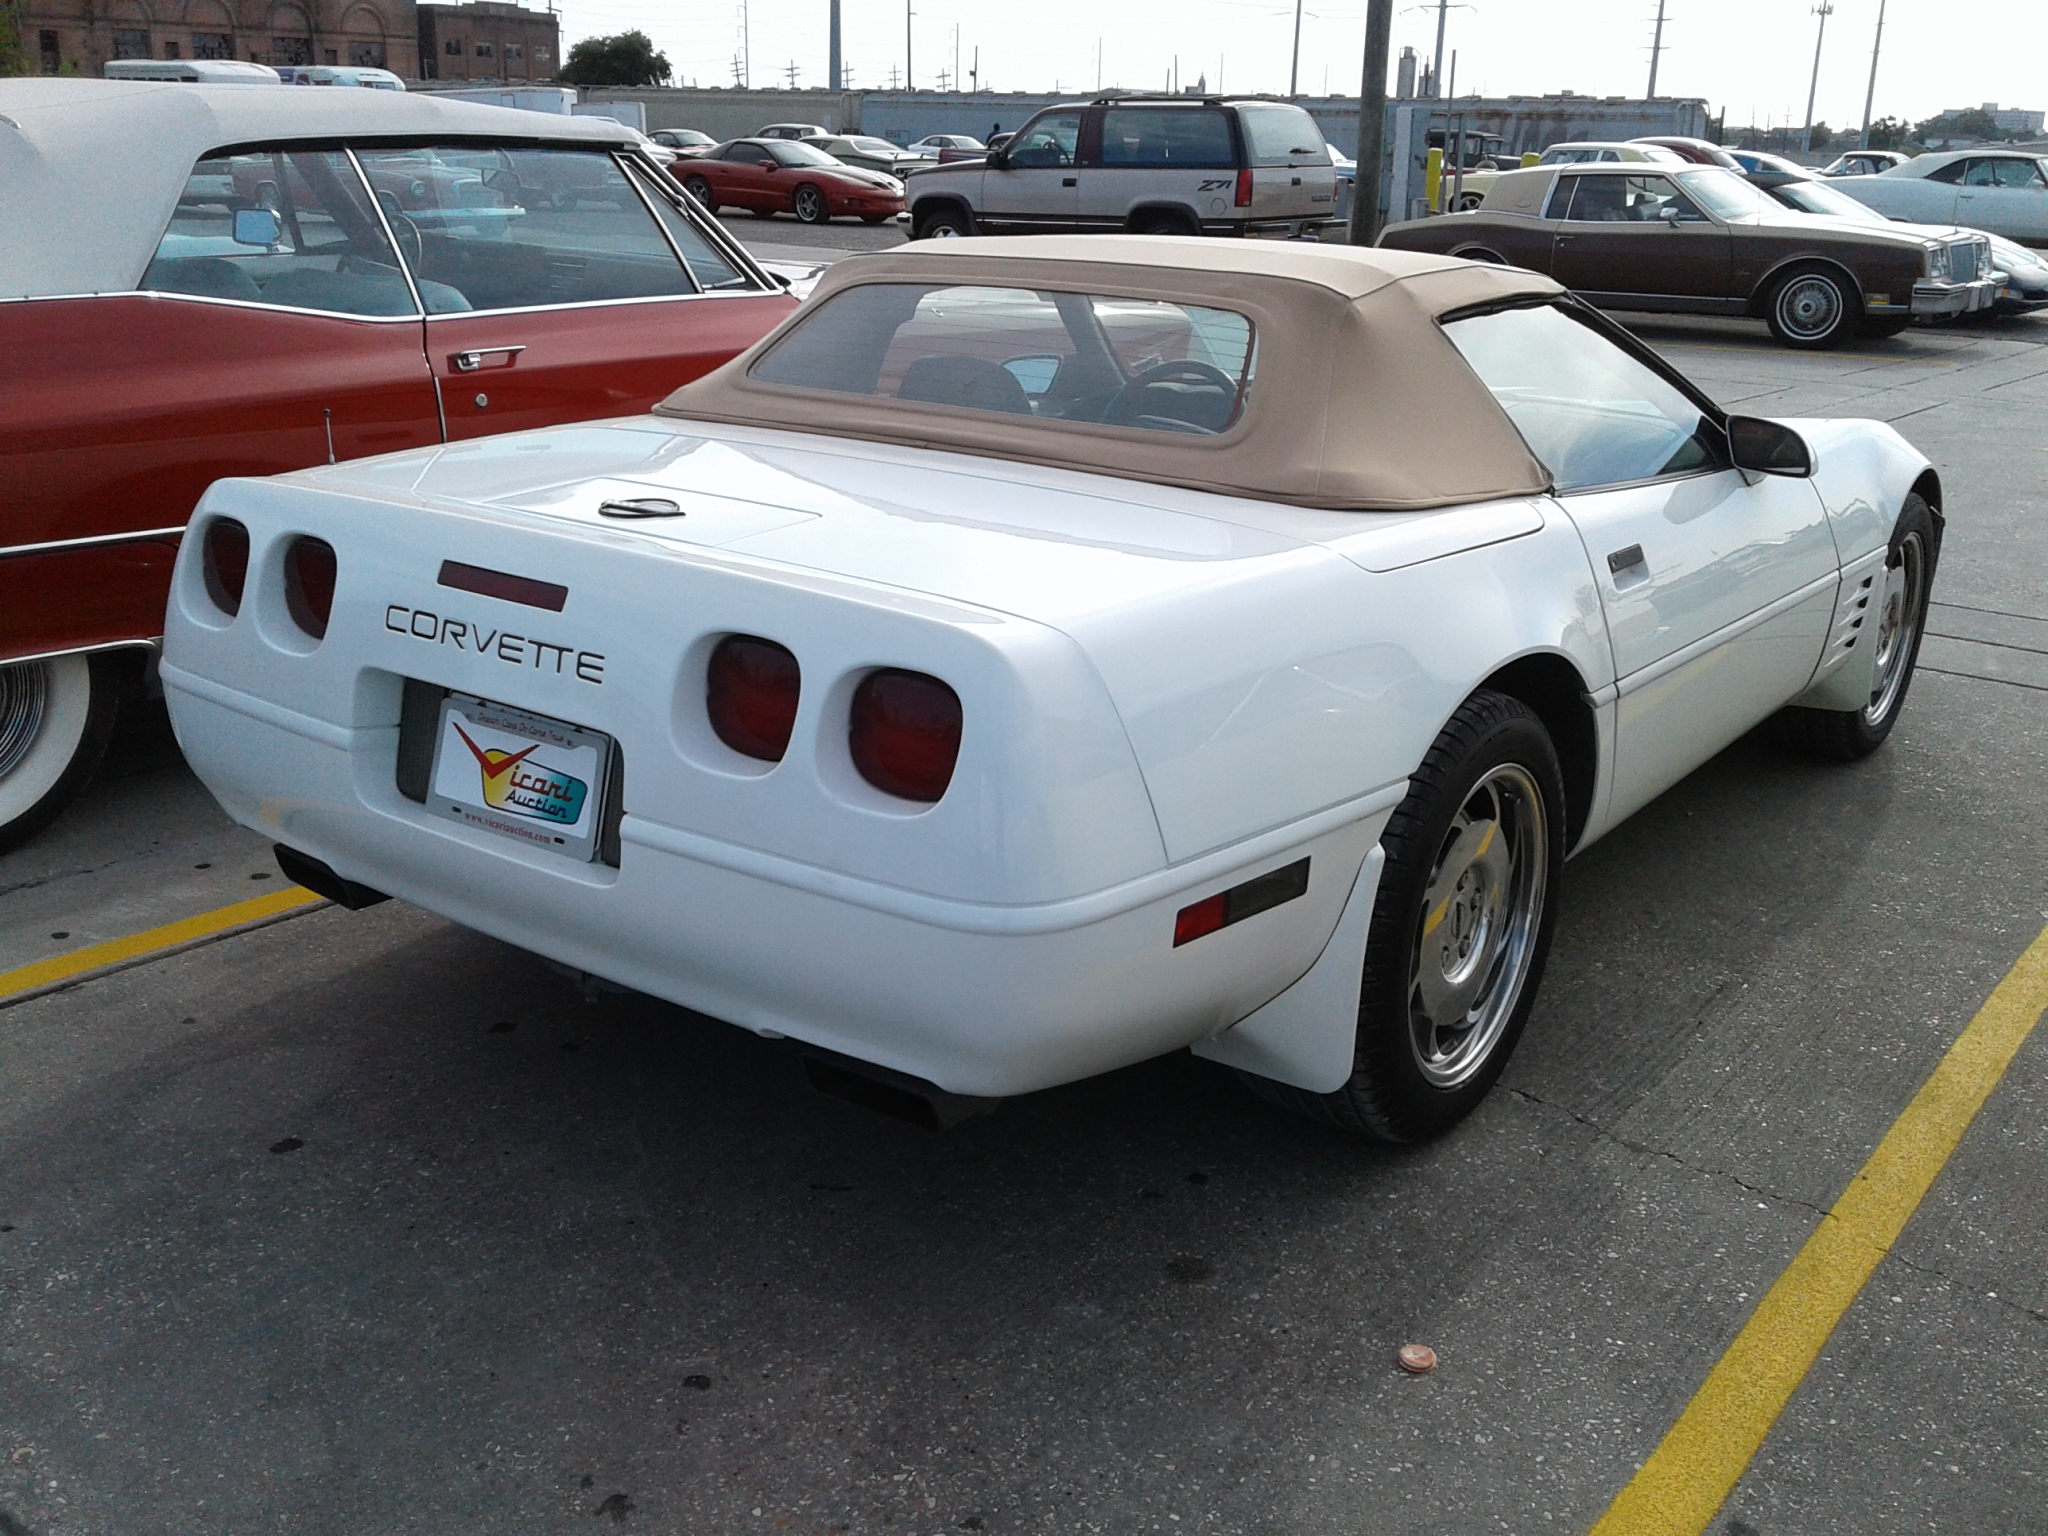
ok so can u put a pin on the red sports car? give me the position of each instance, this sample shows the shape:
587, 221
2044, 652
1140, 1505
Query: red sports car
201, 281
770, 176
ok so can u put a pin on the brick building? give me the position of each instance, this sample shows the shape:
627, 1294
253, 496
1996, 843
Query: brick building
85, 34
488, 40
496, 41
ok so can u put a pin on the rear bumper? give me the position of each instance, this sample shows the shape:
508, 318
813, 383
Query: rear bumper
979, 998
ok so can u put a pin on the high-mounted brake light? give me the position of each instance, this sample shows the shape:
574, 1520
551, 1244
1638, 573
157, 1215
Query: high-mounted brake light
225, 563
1240, 902
751, 688
309, 584
905, 733
1244, 187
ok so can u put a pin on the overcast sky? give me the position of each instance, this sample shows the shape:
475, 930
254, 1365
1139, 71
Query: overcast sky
1751, 56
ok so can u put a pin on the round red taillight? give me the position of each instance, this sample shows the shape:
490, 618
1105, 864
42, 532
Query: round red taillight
225, 563
750, 692
309, 584
905, 733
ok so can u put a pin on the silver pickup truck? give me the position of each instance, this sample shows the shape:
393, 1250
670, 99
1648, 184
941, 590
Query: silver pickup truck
1182, 165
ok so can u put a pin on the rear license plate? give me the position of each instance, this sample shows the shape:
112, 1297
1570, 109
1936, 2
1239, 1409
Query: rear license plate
523, 776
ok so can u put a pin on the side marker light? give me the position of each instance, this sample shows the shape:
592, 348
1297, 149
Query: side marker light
1240, 902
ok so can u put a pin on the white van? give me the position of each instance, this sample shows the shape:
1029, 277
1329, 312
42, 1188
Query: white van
341, 74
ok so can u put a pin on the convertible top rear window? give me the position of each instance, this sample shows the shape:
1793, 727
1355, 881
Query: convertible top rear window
1053, 356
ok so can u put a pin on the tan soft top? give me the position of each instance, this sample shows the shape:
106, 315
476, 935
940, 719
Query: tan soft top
1359, 402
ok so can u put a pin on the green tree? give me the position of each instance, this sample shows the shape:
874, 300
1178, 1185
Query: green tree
1823, 136
1973, 124
12, 60
624, 58
1888, 133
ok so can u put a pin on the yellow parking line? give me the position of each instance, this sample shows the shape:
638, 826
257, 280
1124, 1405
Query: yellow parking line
93, 957
1680, 1489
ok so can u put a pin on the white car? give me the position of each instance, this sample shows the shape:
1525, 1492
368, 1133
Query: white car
1472, 190
2004, 191
1039, 655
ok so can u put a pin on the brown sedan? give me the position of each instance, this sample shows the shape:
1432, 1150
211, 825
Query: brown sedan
1699, 240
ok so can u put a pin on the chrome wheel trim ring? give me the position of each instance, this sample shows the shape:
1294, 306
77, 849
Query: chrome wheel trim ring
1810, 307
1898, 625
24, 701
1475, 935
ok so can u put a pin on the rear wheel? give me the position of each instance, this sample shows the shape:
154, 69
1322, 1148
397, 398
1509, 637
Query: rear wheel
1460, 927
700, 188
1814, 308
943, 223
1847, 734
55, 717
1164, 223
809, 204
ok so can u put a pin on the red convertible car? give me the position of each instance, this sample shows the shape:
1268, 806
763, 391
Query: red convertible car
204, 281
770, 176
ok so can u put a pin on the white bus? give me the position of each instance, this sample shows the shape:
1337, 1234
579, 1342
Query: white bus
192, 71
341, 74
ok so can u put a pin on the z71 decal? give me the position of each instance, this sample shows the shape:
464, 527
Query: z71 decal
1217, 184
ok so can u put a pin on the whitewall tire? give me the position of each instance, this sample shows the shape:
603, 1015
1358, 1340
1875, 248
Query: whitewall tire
55, 717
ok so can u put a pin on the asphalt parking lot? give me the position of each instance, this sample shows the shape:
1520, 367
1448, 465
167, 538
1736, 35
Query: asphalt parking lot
363, 1223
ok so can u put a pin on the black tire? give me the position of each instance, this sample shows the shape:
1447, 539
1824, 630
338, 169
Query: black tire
1493, 742
1164, 223
946, 222
55, 718
1814, 308
699, 188
1845, 735
808, 203
1875, 328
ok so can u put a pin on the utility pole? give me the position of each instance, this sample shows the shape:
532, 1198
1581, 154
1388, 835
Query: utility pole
909, 80
1294, 73
746, 47
1870, 95
1656, 48
835, 66
956, 55
974, 71
1436, 72
1824, 10
1372, 123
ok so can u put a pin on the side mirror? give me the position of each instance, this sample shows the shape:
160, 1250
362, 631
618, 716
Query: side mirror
257, 226
770, 165
504, 181
998, 160
1768, 447
1669, 214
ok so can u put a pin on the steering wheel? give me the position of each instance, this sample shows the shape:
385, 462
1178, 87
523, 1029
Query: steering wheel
1129, 403
408, 231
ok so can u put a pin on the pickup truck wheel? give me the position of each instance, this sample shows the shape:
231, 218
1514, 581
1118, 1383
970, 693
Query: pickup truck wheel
700, 188
55, 717
809, 204
947, 223
1165, 224
1895, 627
1460, 928
1814, 308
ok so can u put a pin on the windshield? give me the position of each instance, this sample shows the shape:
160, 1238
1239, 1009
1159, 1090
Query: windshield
1819, 197
1724, 194
799, 154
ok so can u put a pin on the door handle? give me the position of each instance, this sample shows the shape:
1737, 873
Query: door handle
470, 361
1565, 239
1069, 181
1629, 559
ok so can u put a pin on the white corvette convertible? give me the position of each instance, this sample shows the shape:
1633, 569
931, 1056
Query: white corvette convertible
1040, 655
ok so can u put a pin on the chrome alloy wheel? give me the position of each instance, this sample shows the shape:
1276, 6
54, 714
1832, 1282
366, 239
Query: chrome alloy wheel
1476, 933
809, 205
1898, 624
1810, 307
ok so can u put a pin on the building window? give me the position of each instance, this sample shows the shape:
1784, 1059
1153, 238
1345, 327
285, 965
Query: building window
514, 51
540, 53
366, 55
212, 45
332, 56
483, 50
453, 48
170, 49
131, 43
291, 50
52, 56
